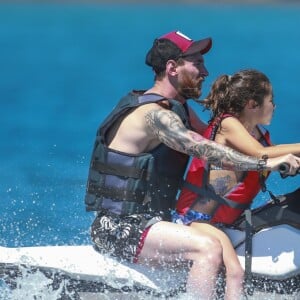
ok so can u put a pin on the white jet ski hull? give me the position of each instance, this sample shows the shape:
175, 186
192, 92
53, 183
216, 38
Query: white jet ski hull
275, 260
85, 266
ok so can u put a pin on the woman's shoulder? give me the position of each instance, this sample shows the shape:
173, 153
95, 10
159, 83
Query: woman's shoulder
230, 122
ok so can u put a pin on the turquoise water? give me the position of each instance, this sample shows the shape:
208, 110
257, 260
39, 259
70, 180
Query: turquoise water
63, 67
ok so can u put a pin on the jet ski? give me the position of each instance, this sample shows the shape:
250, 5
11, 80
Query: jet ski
267, 246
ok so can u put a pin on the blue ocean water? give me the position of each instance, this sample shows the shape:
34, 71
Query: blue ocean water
63, 67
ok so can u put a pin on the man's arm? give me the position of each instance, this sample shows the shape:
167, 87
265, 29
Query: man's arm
169, 129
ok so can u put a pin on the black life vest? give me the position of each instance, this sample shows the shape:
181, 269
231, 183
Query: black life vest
124, 183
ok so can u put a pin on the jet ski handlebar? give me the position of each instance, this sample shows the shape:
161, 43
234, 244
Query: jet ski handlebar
284, 168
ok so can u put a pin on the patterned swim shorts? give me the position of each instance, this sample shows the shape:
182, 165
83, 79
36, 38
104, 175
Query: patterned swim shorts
120, 236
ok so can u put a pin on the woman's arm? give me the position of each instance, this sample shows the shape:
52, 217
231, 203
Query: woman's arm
237, 137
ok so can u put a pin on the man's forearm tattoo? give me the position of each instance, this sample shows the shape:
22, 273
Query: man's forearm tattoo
169, 129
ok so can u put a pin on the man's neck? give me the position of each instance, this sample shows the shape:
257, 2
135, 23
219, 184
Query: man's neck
165, 89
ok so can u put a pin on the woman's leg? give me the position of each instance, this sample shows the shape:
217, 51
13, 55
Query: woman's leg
168, 242
234, 270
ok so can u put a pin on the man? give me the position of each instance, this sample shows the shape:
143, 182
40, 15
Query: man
138, 162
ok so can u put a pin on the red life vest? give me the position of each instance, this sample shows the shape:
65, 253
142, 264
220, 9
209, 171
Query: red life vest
244, 192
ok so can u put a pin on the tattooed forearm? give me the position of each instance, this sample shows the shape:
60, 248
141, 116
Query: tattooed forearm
169, 129
222, 156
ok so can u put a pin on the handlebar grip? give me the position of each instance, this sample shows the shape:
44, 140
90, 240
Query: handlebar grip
284, 168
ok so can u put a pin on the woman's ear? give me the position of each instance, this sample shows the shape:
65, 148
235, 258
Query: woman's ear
251, 104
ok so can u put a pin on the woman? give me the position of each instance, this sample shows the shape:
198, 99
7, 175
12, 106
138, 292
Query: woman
239, 104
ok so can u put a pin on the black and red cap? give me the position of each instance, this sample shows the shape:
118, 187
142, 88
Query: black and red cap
174, 45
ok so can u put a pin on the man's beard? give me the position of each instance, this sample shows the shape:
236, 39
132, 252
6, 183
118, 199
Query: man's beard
188, 87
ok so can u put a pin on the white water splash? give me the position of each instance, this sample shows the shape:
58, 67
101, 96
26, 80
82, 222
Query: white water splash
32, 286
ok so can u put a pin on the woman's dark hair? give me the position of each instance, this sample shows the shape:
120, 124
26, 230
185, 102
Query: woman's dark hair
230, 94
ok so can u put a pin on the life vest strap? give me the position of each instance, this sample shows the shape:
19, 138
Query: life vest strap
126, 207
114, 193
120, 170
207, 191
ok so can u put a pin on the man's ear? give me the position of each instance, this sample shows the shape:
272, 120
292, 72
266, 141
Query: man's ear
171, 67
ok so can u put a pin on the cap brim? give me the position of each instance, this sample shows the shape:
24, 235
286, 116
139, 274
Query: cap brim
202, 46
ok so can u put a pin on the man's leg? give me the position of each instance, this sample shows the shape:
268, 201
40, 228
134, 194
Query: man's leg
168, 242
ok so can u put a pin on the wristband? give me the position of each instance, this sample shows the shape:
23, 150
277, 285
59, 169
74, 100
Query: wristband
262, 163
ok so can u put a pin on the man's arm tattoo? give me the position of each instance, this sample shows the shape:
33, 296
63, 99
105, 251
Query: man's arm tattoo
170, 130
